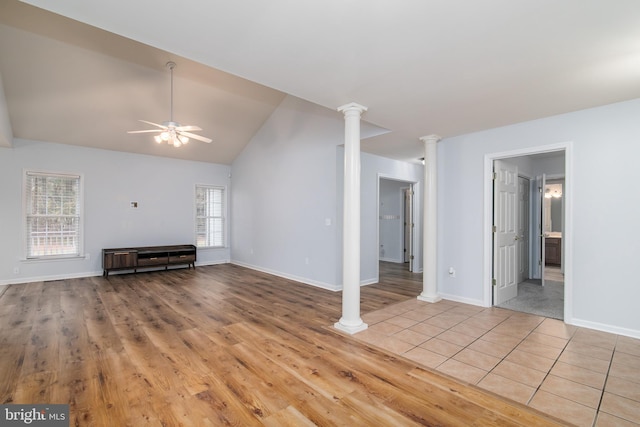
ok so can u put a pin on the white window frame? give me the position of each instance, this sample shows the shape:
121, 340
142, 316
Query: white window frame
79, 245
222, 217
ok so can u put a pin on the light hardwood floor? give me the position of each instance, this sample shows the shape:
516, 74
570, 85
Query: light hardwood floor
222, 345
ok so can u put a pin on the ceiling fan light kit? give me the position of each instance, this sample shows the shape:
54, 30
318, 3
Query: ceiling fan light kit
172, 132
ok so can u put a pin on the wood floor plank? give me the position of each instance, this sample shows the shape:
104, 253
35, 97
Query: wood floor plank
221, 345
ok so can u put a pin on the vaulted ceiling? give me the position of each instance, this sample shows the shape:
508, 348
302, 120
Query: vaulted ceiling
84, 71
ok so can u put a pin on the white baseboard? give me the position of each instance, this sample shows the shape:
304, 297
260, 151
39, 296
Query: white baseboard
303, 280
606, 328
457, 298
48, 278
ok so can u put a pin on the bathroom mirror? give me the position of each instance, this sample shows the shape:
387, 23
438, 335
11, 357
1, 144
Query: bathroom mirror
553, 194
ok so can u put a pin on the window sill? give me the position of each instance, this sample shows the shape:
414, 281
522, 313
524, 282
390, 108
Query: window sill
56, 258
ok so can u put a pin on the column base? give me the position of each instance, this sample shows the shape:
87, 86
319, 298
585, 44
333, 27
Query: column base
429, 298
351, 329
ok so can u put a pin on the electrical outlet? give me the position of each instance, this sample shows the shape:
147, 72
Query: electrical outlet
452, 272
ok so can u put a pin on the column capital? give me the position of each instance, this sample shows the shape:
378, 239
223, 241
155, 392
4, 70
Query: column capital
433, 138
351, 107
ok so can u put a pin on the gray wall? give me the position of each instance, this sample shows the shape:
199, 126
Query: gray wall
605, 148
164, 189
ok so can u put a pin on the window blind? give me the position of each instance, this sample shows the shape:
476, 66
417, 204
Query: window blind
210, 220
52, 215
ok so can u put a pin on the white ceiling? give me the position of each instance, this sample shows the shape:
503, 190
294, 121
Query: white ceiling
420, 66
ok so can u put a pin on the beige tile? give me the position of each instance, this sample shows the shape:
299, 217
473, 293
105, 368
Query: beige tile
432, 310
579, 375
486, 323
411, 337
547, 340
472, 331
607, 420
397, 309
462, 371
576, 392
445, 320
519, 332
370, 336
564, 409
628, 345
539, 349
595, 338
477, 359
626, 359
412, 303
590, 350
404, 322
456, 338
385, 328
626, 372
508, 388
577, 359
426, 329
529, 360
466, 310
416, 315
490, 348
623, 387
556, 328
439, 346
394, 345
519, 373
501, 339
425, 357
376, 317
622, 407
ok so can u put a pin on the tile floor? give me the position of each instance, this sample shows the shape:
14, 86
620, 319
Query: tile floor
586, 377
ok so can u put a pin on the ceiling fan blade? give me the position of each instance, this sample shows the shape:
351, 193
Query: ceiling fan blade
145, 131
188, 128
194, 136
154, 124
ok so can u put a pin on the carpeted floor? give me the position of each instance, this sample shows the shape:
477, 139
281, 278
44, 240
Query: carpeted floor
533, 298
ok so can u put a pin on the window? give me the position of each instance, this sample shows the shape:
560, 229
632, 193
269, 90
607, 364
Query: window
210, 216
52, 215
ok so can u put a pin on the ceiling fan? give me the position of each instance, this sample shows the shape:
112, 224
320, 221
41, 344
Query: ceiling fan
172, 132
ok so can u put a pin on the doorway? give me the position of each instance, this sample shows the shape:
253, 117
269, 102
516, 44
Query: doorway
526, 272
396, 222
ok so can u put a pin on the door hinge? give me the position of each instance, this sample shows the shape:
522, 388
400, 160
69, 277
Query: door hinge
494, 229
495, 176
493, 282
411, 257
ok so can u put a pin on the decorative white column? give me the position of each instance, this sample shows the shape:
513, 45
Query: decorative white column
430, 221
350, 321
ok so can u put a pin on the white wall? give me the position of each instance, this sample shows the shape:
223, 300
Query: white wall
164, 189
284, 195
287, 197
605, 232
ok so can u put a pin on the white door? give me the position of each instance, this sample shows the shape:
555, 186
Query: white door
505, 237
523, 227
